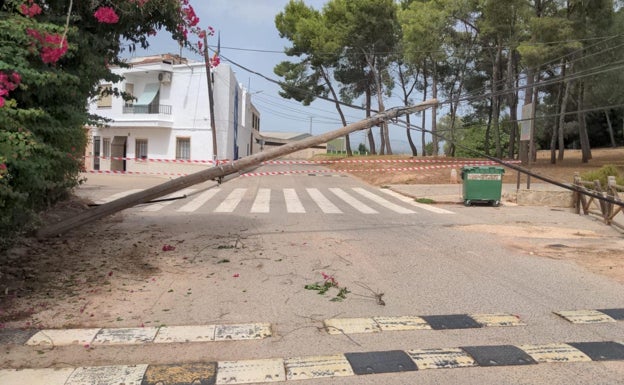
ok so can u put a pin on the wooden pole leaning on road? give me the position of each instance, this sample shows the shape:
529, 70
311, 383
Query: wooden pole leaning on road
223, 170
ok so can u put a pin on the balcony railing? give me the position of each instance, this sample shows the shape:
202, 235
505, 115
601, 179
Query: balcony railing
151, 109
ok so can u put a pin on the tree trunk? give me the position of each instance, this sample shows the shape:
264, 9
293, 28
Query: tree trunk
406, 95
488, 130
585, 146
563, 110
610, 128
423, 134
496, 99
513, 102
434, 112
369, 133
409, 137
339, 109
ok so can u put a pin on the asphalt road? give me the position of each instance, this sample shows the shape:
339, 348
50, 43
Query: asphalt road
296, 227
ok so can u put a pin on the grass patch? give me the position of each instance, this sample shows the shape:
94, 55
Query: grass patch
425, 200
602, 174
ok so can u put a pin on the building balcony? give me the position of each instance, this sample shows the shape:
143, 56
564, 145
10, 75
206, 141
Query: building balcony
149, 109
150, 115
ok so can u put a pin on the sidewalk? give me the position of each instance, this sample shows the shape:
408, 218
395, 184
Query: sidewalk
540, 194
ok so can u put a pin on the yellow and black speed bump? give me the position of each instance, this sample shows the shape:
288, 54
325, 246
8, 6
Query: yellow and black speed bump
429, 322
338, 365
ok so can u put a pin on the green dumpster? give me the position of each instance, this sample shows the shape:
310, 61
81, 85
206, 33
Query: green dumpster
482, 184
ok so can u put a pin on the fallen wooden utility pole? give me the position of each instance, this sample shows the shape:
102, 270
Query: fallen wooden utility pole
223, 170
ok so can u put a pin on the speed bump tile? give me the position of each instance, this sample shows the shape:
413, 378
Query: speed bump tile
56, 337
305, 368
123, 336
122, 374
452, 321
254, 331
245, 372
616, 314
35, 376
584, 316
392, 361
351, 325
188, 374
503, 320
172, 334
401, 323
601, 351
554, 353
441, 358
499, 355
16, 336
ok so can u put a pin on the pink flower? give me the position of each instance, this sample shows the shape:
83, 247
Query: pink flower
106, 15
168, 248
236, 275
31, 11
54, 47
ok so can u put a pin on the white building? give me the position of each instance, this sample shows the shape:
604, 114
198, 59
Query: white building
167, 129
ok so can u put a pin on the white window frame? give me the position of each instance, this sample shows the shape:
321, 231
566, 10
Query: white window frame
106, 147
183, 153
105, 101
139, 143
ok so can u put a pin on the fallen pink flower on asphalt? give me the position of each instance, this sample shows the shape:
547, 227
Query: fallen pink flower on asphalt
236, 275
168, 248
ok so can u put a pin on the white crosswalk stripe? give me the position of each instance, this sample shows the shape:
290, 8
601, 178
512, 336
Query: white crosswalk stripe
262, 202
333, 203
199, 201
232, 200
379, 200
161, 205
293, 204
323, 203
355, 203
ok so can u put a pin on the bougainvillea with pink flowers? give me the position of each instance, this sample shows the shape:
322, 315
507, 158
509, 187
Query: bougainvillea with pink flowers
53, 55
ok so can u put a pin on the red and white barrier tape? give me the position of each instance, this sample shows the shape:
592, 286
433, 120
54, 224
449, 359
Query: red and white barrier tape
304, 162
110, 172
291, 172
393, 169
158, 160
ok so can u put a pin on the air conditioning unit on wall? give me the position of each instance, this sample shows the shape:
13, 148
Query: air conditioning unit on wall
164, 77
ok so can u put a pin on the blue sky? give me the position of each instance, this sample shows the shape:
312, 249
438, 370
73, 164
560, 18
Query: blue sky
249, 37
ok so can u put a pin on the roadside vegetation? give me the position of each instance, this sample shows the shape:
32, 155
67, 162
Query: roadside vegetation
53, 55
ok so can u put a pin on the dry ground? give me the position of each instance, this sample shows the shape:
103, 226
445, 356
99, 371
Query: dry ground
53, 282
561, 171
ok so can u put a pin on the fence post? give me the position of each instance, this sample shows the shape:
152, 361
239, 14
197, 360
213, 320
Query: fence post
576, 194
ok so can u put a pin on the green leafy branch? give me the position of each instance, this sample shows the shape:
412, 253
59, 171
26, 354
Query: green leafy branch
323, 287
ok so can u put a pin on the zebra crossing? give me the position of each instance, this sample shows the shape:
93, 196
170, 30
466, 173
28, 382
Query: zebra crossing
329, 201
